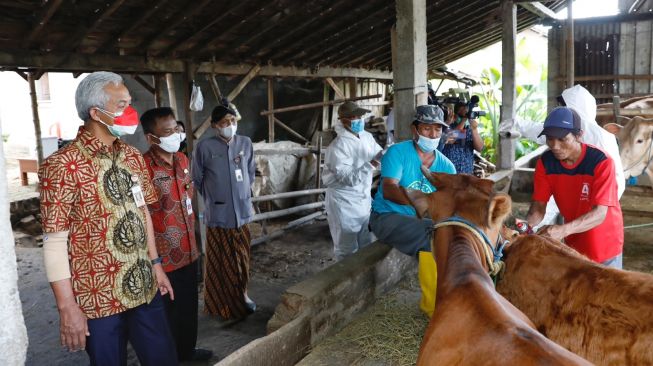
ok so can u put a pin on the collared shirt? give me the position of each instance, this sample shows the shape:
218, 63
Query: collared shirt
87, 189
223, 174
172, 216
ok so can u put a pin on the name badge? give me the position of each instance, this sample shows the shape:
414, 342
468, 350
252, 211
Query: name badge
189, 206
137, 193
239, 175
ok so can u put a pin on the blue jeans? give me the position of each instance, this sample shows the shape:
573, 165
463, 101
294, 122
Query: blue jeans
407, 234
615, 262
144, 326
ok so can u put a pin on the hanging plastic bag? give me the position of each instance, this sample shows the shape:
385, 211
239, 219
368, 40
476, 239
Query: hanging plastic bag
196, 99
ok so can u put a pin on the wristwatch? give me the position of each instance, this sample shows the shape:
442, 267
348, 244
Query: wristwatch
157, 260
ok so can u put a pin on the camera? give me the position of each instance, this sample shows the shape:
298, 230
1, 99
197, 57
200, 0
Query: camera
473, 110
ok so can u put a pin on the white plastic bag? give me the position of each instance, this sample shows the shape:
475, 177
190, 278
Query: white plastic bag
196, 99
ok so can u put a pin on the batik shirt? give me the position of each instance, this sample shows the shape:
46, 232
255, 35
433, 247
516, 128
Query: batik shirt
88, 188
172, 215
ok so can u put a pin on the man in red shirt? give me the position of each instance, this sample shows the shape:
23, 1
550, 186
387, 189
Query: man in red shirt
581, 179
174, 222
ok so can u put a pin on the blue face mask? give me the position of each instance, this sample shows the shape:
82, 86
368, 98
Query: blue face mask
357, 125
426, 144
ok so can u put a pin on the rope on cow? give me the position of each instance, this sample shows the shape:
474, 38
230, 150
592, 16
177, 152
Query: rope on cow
492, 255
638, 226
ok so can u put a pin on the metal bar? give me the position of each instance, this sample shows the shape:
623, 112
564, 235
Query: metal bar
317, 104
291, 225
278, 196
287, 211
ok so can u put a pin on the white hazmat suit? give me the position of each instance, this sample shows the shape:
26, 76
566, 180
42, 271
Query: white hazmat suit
348, 177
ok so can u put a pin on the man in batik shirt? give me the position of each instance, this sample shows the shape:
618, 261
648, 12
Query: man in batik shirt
99, 250
174, 226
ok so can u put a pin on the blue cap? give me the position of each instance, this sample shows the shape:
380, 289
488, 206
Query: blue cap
560, 122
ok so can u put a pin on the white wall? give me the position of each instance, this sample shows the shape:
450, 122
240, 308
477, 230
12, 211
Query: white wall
16, 111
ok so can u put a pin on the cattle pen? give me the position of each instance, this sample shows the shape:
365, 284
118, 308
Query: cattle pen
288, 65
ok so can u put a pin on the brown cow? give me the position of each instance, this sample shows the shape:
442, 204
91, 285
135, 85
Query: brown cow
472, 323
602, 314
644, 102
635, 146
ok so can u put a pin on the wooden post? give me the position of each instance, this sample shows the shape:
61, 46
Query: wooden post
570, 44
158, 92
270, 108
172, 96
325, 109
353, 87
506, 158
616, 105
35, 116
187, 76
318, 163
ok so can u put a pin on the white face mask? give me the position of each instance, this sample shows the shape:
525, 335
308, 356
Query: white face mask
228, 132
426, 144
171, 143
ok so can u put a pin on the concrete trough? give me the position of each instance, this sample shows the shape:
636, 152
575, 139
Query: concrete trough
322, 305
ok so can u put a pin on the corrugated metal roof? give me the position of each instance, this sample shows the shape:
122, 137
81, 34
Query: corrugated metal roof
315, 33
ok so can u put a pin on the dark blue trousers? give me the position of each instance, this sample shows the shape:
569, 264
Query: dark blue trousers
144, 326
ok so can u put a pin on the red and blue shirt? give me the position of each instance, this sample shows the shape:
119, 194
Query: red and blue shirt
577, 189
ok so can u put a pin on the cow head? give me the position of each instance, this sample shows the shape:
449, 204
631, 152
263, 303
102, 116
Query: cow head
635, 145
464, 195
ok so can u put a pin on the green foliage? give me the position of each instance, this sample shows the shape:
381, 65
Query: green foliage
531, 100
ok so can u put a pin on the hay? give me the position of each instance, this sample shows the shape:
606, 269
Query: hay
391, 331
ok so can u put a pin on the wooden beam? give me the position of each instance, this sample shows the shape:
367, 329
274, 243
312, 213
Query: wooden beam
22, 75
186, 77
570, 43
290, 130
158, 91
325, 109
179, 19
172, 95
83, 32
213, 83
335, 88
209, 48
506, 148
270, 112
75, 62
539, 9
37, 121
353, 87
44, 16
145, 84
199, 131
152, 8
175, 46
270, 108
243, 82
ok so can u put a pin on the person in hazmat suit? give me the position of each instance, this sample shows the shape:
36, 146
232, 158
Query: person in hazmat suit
350, 161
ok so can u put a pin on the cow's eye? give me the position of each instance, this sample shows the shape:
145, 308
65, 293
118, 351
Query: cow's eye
639, 141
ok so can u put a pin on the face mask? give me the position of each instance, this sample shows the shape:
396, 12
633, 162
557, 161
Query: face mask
228, 132
124, 123
171, 143
357, 125
426, 144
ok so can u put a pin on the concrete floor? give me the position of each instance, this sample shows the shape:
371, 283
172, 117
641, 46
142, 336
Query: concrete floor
275, 267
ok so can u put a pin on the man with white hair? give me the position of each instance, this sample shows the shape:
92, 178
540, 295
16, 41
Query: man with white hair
99, 250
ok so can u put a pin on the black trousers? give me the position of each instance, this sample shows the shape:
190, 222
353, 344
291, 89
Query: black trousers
182, 312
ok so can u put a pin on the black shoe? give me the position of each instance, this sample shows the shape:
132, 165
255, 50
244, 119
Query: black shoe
199, 354
250, 306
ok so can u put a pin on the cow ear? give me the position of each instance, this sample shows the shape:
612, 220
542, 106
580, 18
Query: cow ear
499, 209
419, 200
613, 128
